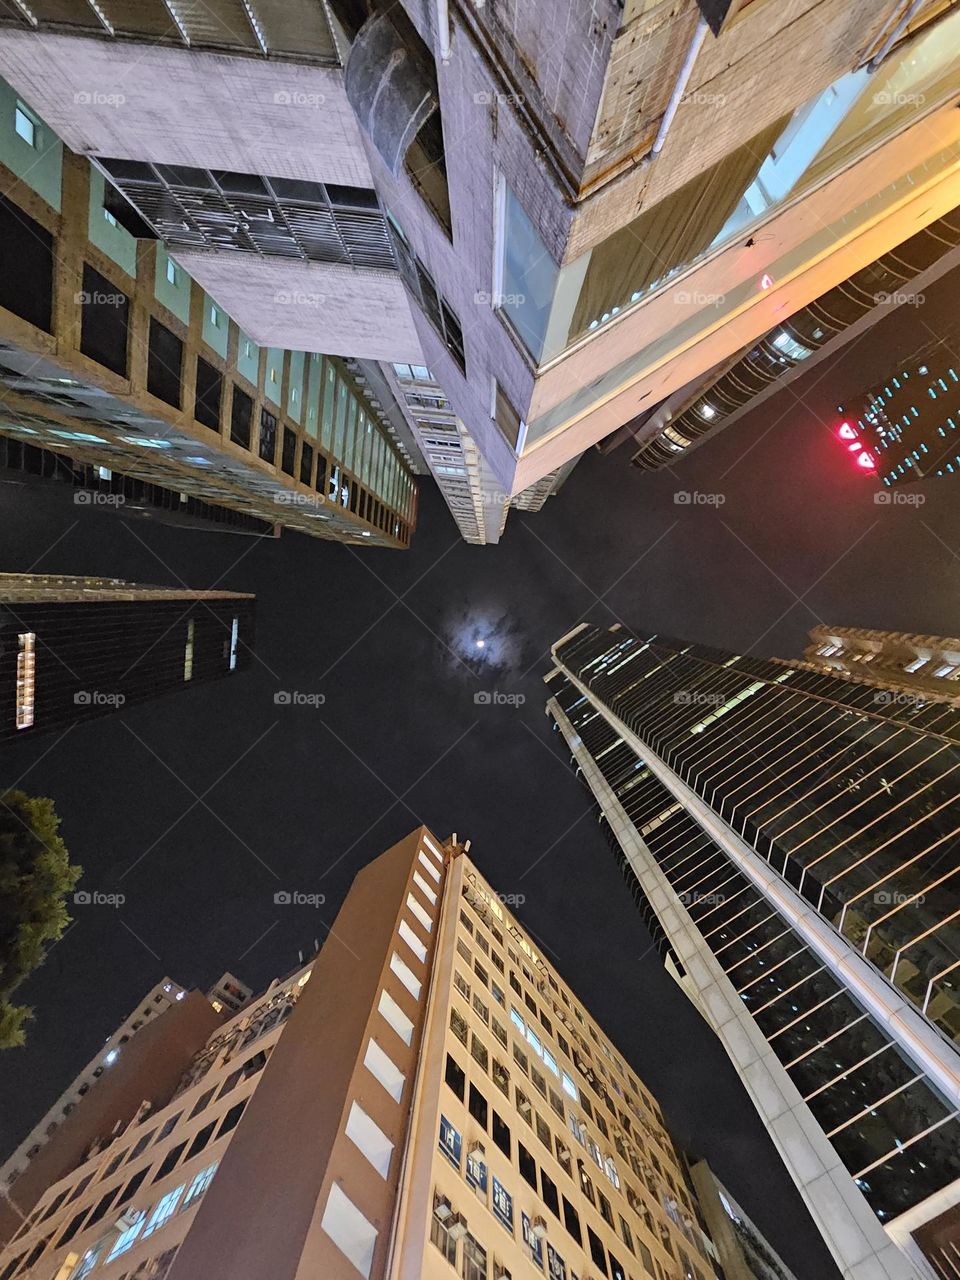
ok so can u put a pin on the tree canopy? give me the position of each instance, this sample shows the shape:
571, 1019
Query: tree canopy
35, 877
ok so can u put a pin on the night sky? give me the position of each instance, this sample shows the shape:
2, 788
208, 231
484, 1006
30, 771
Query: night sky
201, 806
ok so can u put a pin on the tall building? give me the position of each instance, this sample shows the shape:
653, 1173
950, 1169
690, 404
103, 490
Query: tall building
789, 837
910, 425
901, 665
157, 1000
565, 216
115, 358
434, 1102
74, 648
667, 432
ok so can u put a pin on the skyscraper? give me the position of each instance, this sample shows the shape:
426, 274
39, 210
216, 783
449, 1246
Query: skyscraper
425, 1099
114, 356
910, 425
790, 837
73, 648
563, 216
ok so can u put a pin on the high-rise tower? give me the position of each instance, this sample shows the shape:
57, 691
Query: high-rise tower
73, 648
790, 836
434, 1102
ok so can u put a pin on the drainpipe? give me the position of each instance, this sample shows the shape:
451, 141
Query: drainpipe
443, 29
894, 35
680, 88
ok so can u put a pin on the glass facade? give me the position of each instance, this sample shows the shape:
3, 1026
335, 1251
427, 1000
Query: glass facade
850, 797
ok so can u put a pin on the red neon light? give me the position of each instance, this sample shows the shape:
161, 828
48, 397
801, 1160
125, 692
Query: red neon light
866, 461
846, 432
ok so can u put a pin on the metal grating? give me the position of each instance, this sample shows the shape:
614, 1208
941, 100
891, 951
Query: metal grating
274, 217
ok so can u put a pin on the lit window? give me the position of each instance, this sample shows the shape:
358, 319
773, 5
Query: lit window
128, 1235
568, 1085
199, 1185
419, 912
163, 1211
518, 1022
171, 271
412, 941
395, 1016
215, 317
25, 125
26, 678
370, 1138
108, 217
188, 652
234, 638
406, 975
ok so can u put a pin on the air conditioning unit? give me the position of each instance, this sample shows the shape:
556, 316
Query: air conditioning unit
539, 1228
442, 1208
127, 1219
476, 1147
457, 1227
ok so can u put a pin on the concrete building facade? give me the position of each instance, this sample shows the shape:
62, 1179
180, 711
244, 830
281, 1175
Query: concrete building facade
926, 668
565, 215
787, 836
424, 1099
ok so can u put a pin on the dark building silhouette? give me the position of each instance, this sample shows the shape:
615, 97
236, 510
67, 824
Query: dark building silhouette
72, 648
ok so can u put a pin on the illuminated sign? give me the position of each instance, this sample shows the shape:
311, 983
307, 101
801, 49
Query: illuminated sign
533, 1243
503, 1205
476, 1170
451, 1142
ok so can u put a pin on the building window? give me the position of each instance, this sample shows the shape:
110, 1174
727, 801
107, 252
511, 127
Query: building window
26, 678
479, 1052
477, 1106
367, 1135
571, 1220
25, 125
199, 1185
172, 274
474, 1265
597, 1251
441, 1237
528, 1166
164, 1210
128, 1236
501, 1135
455, 1077
188, 651
234, 639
